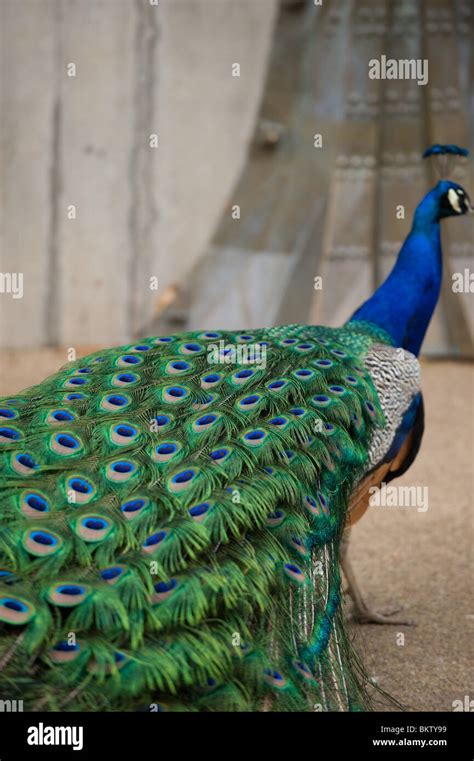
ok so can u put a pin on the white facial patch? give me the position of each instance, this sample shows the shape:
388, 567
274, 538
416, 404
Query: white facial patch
453, 199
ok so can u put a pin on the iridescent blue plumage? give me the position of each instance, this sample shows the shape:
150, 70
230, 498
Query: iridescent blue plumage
403, 305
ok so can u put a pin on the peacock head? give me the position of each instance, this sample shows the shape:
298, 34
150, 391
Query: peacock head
453, 199
450, 199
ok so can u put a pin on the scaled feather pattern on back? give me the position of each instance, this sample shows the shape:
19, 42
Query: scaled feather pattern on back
170, 527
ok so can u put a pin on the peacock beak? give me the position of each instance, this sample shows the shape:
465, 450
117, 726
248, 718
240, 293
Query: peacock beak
468, 208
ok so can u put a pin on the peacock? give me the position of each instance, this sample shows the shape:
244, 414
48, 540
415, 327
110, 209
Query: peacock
174, 511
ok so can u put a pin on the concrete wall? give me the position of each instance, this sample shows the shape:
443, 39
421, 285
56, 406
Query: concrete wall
83, 141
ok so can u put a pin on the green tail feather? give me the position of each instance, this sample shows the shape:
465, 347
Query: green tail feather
170, 527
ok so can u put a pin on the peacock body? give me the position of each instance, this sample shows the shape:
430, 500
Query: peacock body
172, 512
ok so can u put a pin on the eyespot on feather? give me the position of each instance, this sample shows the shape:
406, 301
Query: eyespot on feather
65, 444
41, 543
121, 470
93, 528
63, 652
24, 463
33, 504
133, 507
82, 489
115, 402
123, 434
67, 594
16, 610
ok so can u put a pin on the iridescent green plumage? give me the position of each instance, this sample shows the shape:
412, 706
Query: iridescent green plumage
170, 526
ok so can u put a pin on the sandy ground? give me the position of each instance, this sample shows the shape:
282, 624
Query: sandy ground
422, 560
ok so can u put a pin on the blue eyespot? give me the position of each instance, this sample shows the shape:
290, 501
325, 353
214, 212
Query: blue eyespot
255, 435
9, 433
36, 502
67, 441
94, 524
180, 365
166, 448
198, 510
276, 384
123, 467
130, 359
65, 647
133, 505
80, 485
116, 400
6, 413
62, 416
206, 420
16, 605
193, 347
177, 392
26, 460
155, 539
184, 476
165, 586
42, 537
111, 573
219, 454
250, 400
70, 590
125, 430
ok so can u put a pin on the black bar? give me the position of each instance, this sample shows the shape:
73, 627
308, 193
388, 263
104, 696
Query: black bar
137, 736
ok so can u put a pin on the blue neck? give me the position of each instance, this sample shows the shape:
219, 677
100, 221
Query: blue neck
404, 303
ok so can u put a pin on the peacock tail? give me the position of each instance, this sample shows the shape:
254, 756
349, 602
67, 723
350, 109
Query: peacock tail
171, 518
